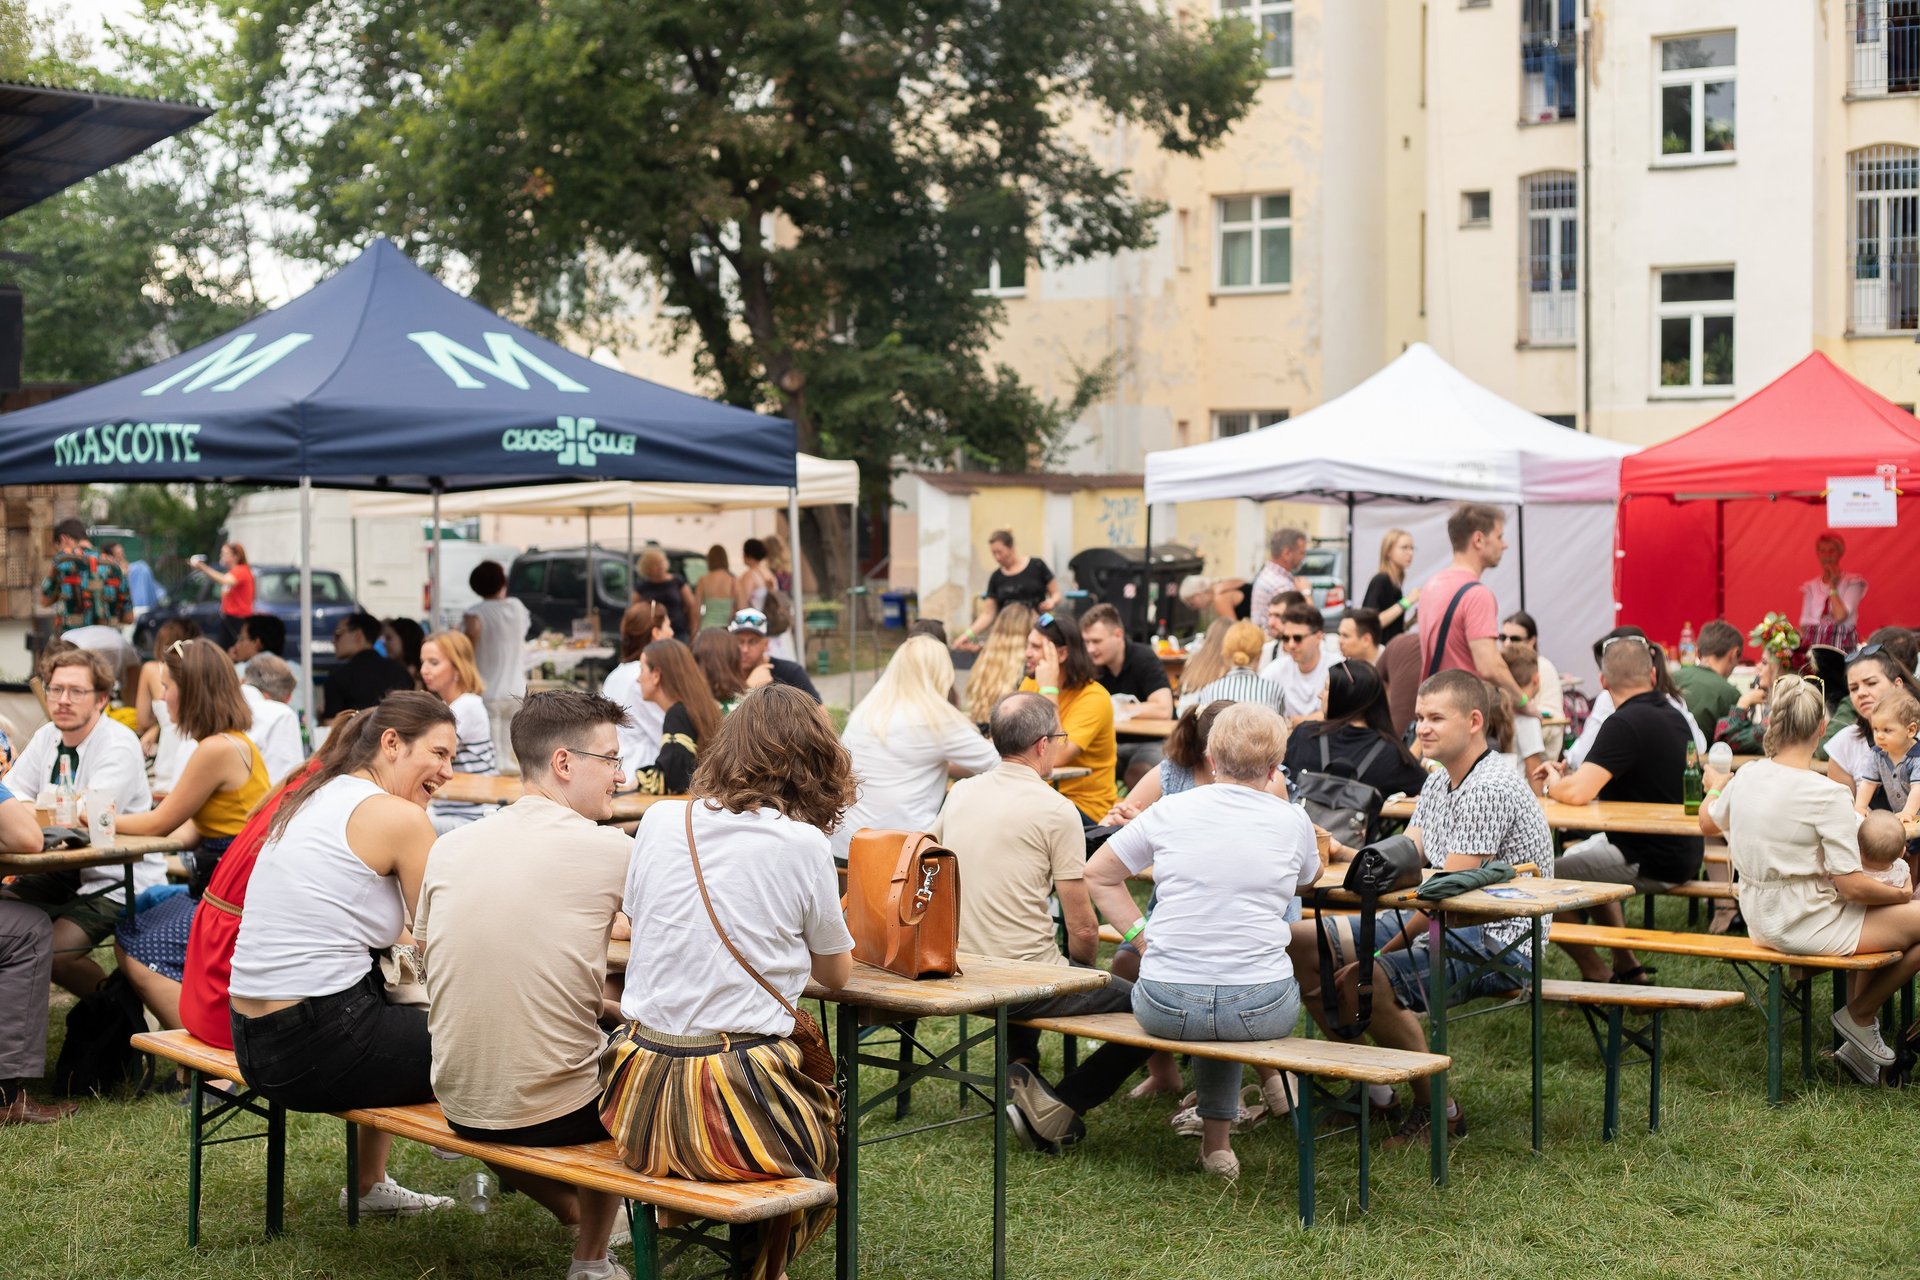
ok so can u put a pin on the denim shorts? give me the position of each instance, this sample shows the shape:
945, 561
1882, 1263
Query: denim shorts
334, 1053
1409, 969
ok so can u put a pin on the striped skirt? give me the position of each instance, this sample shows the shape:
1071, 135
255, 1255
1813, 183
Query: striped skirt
743, 1112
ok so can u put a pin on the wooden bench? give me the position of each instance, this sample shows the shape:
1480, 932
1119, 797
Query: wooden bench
1357, 1065
595, 1166
1613, 1037
1695, 892
1758, 966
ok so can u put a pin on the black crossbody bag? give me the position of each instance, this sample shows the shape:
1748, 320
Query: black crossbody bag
1385, 866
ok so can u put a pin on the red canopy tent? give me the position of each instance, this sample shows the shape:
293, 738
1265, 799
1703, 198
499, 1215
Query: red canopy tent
1721, 522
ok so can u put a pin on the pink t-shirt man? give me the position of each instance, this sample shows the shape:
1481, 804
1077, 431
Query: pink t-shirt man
1477, 618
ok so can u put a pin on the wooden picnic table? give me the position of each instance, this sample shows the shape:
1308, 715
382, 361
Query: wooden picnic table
1528, 897
1143, 727
1626, 817
123, 853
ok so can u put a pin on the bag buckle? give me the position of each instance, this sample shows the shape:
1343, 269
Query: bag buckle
924, 894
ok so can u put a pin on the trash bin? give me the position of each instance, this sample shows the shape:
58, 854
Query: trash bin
1112, 575
899, 609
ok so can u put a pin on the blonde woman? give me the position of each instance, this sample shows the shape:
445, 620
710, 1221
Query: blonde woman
1206, 663
1002, 663
906, 740
1388, 593
448, 670
1239, 651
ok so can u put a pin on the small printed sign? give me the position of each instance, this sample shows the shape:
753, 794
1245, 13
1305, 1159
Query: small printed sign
1861, 502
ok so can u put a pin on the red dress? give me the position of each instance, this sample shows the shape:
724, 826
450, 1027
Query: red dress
216, 926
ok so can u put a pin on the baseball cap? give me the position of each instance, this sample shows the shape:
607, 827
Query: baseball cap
749, 620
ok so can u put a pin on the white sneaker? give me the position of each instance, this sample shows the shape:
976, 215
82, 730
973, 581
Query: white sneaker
1864, 1037
605, 1269
391, 1200
1857, 1063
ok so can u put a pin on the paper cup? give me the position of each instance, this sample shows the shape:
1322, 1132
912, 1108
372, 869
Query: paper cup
100, 818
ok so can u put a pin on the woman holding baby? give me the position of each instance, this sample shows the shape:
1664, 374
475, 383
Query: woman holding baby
1814, 878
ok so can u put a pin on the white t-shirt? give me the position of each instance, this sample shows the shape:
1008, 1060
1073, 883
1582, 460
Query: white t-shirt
1226, 862
276, 731
499, 653
1300, 690
1527, 738
110, 761
775, 892
1852, 751
170, 750
639, 740
903, 776
109, 644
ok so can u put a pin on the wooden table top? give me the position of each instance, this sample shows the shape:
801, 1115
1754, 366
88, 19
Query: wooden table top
127, 849
1523, 896
1626, 817
1143, 727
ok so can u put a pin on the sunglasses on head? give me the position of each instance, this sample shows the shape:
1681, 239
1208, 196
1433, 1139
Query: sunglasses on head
1042, 622
1864, 651
1612, 641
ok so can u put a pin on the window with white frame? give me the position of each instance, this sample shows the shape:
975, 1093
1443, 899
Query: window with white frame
1273, 21
1005, 278
1696, 103
1885, 49
1238, 422
1253, 243
1693, 331
1549, 258
1882, 259
1476, 208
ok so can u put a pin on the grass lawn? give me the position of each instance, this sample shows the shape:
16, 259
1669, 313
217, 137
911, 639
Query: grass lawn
1728, 1187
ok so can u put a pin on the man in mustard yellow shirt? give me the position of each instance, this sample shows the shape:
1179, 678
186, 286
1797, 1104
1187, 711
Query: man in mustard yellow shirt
1060, 670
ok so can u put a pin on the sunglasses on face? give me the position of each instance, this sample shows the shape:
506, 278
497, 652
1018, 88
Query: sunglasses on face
1519, 639
1301, 638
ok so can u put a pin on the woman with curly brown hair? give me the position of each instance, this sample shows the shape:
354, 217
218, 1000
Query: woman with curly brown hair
703, 1077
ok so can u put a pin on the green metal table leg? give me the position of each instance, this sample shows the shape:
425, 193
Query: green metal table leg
960, 1090
1806, 1029
1539, 1052
1610, 1112
276, 1168
1437, 1038
1366, 1150
126, 887
1069, 1054
903, 1102
846, 1228
1304, 1132
1839, 999
194, 1153
1646, 915
353, 1174
644, 1242
1653, 1079
1773, 1035
1000, 1142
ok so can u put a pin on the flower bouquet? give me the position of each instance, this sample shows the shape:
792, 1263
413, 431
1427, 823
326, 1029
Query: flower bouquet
1777, 637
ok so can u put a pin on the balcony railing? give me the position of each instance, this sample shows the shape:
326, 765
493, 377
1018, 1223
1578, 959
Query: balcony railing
1884, 43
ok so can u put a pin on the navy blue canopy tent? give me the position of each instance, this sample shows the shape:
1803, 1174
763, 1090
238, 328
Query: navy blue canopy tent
383, 378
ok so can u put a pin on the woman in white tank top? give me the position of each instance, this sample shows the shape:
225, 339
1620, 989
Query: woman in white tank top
339, 877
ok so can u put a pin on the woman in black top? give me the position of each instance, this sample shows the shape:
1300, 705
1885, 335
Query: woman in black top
1020, 579
1388, 589
1356, 724
670, 679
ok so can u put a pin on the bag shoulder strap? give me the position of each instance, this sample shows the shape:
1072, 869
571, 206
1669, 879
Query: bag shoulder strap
1446, 625
725, 941
1326, 753
1373, 753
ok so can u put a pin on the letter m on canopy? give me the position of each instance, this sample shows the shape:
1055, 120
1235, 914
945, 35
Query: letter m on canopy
505, 360
232, 364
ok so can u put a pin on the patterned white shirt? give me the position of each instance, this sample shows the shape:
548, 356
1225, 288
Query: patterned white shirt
1491, 814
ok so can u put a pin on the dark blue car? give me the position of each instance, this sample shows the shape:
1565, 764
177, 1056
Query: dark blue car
276, 590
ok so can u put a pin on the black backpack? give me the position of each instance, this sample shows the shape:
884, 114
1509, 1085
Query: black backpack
1338, 802
97, 1057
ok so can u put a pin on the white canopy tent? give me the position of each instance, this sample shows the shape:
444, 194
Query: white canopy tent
1418, 433
823, 482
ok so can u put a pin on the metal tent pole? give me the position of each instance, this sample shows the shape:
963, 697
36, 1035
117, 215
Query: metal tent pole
853, 601
1351, 602
1146, 578
593, 596
799, 561
306, 603
1520, 527
433, 599
630, 568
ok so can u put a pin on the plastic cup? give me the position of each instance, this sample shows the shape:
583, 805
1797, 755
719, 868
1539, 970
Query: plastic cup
100, 819
476, 1191
1720, 758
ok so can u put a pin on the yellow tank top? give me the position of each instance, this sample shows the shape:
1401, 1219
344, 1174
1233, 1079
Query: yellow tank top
225, 812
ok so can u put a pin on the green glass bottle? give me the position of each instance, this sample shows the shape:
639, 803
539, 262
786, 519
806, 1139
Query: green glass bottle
1692, 786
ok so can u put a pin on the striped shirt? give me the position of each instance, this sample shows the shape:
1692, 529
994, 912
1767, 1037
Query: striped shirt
1239, 685
473, 753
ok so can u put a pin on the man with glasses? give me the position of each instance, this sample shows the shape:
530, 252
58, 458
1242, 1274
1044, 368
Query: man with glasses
363, 676
1640, 754
1273, 620
1019, 842
1301, 669
107, 765
515, 912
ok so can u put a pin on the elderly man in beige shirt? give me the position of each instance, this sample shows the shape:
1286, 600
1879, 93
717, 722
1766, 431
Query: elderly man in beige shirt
515, 913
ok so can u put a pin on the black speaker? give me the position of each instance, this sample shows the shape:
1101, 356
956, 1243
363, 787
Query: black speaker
13, 332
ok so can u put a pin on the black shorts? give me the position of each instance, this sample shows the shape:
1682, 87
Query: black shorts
334, 1053
574, 1129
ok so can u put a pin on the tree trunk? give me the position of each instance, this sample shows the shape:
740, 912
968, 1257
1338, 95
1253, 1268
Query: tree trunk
825, 536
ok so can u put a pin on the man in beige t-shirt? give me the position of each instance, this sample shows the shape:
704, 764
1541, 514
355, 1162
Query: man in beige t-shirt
1019, 841
515, 912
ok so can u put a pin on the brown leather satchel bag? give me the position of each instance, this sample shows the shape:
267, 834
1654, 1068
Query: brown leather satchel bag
816, 1057
903, 903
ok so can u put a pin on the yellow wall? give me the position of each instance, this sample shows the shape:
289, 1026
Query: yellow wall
1021, 511
1109, 518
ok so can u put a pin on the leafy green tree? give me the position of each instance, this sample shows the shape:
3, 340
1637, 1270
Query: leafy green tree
815, 189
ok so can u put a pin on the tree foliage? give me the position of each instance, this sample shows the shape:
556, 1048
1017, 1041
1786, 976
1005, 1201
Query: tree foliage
813, 188
154, 255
